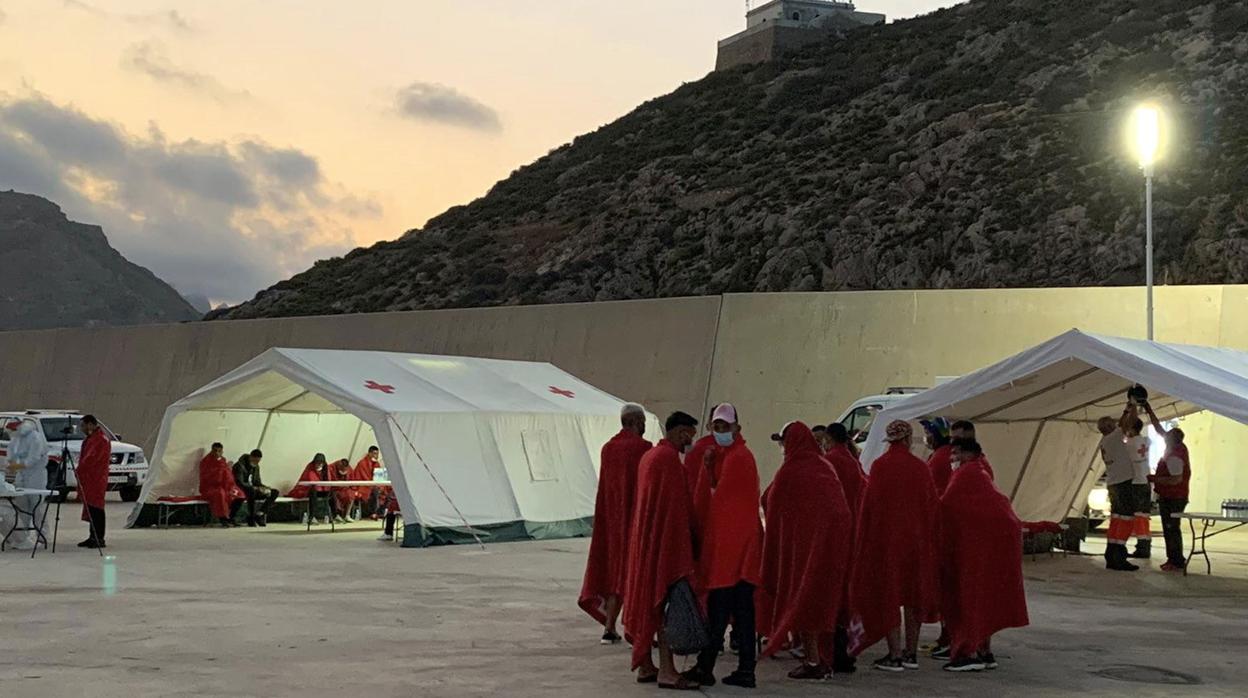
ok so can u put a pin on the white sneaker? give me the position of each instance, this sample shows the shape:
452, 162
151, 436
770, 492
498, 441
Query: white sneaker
385, 537
350, 520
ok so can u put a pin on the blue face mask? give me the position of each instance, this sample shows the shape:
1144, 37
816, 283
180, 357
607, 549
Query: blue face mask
724, 439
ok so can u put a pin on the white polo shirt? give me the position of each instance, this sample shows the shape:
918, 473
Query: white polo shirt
1138, 447
1117, 457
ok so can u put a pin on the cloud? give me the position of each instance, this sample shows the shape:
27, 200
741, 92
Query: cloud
426, 101
169, 19
217, 219
149, 58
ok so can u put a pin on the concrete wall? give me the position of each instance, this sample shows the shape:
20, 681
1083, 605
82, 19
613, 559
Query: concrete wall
778, 356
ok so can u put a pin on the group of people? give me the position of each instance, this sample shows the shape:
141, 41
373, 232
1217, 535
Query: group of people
228, 487
1124, 448
835, 561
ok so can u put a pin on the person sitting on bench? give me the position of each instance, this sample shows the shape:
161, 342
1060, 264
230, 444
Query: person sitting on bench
217, 487
344, 497
247, 476
312, 472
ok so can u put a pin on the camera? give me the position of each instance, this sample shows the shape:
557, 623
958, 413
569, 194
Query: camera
1137, 394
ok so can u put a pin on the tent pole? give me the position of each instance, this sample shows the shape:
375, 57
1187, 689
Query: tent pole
264, 430
356, 441
1082, 480
1027, 461
1060, 384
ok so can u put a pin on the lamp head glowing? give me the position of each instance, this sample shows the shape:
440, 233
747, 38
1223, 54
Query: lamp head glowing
1146, 131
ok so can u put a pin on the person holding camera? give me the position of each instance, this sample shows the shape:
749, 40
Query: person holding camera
1171, 482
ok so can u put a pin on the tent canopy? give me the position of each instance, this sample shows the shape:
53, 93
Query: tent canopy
1036, 412
509, 447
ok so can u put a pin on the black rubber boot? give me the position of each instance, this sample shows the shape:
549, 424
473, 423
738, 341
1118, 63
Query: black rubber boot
1116, 559
1143, 549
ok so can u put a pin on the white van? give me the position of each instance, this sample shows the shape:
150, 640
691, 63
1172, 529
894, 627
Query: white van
63, 430
862, 413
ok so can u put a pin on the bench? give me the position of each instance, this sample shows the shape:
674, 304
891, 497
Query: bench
165, 507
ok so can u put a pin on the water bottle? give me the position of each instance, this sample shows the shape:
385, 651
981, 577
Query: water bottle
109, 577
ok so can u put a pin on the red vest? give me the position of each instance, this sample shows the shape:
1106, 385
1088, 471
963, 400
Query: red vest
1179, 491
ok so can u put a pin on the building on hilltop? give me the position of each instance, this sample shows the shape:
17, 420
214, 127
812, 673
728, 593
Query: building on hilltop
779, 26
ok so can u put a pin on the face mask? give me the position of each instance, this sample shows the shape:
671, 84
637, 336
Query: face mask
724, 439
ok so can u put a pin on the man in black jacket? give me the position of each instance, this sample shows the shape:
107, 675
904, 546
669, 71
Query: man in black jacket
247, 477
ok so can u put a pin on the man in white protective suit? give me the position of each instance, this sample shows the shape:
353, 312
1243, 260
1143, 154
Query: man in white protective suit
28, 461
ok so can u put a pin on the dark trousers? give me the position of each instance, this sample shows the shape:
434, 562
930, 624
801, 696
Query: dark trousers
390, 516
234, 507
1172, 529
97, 523
735, 603
265, 494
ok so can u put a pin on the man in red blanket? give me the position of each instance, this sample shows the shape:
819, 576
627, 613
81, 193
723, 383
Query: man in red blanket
726, 502
695, 460
895, 561
315, 471
92, 474
603, 588
848, 469
217, 486
982, 562
365, 468
806, 551
660, 551
937, 435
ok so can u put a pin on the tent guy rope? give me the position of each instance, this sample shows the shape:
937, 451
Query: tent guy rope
433, 477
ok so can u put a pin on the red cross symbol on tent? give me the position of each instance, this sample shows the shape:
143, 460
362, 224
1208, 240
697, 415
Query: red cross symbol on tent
561, 391
374, 385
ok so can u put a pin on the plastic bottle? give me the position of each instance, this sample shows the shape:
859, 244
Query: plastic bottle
109, 576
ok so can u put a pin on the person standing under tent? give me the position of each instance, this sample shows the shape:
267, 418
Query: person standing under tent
603, 587
981, 562
726, 507
895, 560
1172, 483
388, 504
92, 474
28, 461
1138, 444
936, 432
1119, 473
660, 551
365, 469
315, 471
247, 477
806, 552
217, 487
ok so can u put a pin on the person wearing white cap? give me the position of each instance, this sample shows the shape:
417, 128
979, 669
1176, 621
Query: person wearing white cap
729, 566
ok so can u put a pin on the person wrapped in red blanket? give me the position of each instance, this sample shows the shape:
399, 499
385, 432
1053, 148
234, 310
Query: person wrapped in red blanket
93, 463
982, 562
602, 590
364, 471
660, 551
806, 551
895, 560
315, 471
217, 486
344, 498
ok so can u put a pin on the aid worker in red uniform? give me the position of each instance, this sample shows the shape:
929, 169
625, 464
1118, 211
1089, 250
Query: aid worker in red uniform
1172, 481
92, 474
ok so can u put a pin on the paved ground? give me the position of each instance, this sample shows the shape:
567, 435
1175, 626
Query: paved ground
277, 612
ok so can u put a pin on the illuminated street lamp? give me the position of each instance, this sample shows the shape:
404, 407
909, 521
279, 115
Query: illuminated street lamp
1146, 131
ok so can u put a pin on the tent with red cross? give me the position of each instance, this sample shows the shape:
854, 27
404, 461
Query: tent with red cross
483, 448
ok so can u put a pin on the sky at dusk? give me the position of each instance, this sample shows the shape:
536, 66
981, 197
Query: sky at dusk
229, 144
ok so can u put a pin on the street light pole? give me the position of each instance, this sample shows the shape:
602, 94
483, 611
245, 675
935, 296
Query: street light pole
1148, 243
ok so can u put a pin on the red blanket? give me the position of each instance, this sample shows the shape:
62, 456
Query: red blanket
849, 472
806, 551
694, 460
982, 563
613, 512
895, 560
941, 465
217, 486
730, 531
660, 551
311, 473
92, 471
363, 472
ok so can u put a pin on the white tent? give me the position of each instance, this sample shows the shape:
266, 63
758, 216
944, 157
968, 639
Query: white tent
1036, 412
509, 447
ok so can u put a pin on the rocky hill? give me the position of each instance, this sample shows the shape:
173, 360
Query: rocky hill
57, 273
978, 146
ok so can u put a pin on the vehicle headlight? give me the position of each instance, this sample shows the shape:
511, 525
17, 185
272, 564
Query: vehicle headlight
138, 458
1098, 499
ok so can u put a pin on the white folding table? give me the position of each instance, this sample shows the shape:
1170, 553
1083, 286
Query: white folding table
313, 493
1208, 521
36, 523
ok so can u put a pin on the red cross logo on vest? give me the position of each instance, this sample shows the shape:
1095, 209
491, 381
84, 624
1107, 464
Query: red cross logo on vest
374, 385
561, 391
